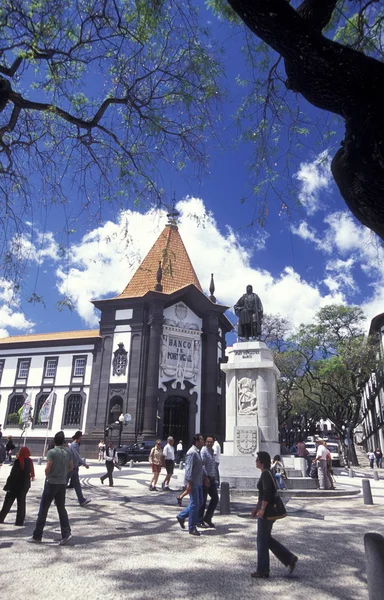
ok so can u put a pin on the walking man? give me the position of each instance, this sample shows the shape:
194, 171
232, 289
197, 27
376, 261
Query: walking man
77, 461
169, 460
209, 464
193, 480
110, 461
59, 463
321, 459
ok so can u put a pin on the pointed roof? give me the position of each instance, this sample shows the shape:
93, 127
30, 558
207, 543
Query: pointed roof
176, 266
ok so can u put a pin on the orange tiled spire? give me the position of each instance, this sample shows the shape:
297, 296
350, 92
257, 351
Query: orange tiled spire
176, 266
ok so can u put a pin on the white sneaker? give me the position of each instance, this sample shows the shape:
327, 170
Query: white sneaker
65, 540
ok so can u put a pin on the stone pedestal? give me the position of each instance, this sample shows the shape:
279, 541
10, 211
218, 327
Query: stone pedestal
251, 411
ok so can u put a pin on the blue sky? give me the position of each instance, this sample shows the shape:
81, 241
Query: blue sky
311, 255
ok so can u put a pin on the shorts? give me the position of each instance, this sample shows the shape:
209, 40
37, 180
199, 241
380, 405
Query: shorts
156, 468
169, 465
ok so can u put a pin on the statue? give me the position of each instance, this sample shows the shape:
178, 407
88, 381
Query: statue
250, 312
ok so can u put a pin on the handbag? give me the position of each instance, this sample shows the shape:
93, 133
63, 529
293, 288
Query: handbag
277, 509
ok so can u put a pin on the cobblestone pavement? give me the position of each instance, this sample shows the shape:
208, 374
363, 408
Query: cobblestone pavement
127, 544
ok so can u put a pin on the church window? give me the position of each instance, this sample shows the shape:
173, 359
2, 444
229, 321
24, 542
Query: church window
50, 368
79, 368
15, 403
73, 410
23, 369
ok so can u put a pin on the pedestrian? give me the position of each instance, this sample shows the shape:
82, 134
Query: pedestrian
371, 458
9, 448
321, 460
379, 458
3, 454
329, 469
156, 462
110, 462
278, 471
193, 480
101, 447
17, 486
169, 462
302, 452
209, 464
77, 461
264, 511
179, 451
59, 464
216, 453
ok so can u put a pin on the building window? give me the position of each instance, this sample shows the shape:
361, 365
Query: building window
73, 410
79, 368
23, 369
50, 368
15, 403
1, 369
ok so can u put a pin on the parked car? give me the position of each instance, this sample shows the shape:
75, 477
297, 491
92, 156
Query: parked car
137, 452
334, 449
312, 449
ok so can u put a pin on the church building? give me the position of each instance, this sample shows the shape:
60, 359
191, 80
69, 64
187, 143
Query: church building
154, 359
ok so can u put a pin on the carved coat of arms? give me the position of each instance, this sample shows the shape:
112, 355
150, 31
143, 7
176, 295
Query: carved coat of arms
246, 441
120, 360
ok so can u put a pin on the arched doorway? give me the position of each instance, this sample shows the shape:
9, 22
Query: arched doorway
115, 409
176, 418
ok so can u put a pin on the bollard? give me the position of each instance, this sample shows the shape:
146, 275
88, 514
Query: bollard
131, 464
181, 465
367, 494
39, 461
376, 475
351, 473
374, 556
225, 503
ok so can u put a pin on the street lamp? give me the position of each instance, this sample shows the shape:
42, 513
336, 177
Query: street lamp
121, 424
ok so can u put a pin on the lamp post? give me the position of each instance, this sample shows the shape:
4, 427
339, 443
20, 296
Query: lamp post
121, 424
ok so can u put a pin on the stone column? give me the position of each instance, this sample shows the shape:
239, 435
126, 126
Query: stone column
208, 403
155, 322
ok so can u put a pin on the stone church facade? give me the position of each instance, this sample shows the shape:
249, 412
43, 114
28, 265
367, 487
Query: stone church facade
155, 357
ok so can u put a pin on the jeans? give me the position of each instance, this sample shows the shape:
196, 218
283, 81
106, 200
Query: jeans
56, 492
212, 492
266, 543
110, 466
379, 463
74, 476
279, 479
192, 510
9, 499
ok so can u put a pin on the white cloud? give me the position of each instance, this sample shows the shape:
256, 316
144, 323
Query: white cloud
315, 177
106, 258
307, 233
340, 277
10, 315
34, 247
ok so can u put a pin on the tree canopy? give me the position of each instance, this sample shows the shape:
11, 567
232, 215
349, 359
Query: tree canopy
332, 52
96, 97
327, 365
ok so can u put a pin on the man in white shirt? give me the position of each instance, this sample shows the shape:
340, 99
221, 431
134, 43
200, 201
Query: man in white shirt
169, 460
321, 459
216, 453
179, 451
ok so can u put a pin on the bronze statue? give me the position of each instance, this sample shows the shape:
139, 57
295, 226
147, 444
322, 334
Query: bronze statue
250, 312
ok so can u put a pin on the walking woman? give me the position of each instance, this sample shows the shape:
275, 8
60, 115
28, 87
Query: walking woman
156, 461
264, 511
17, 486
